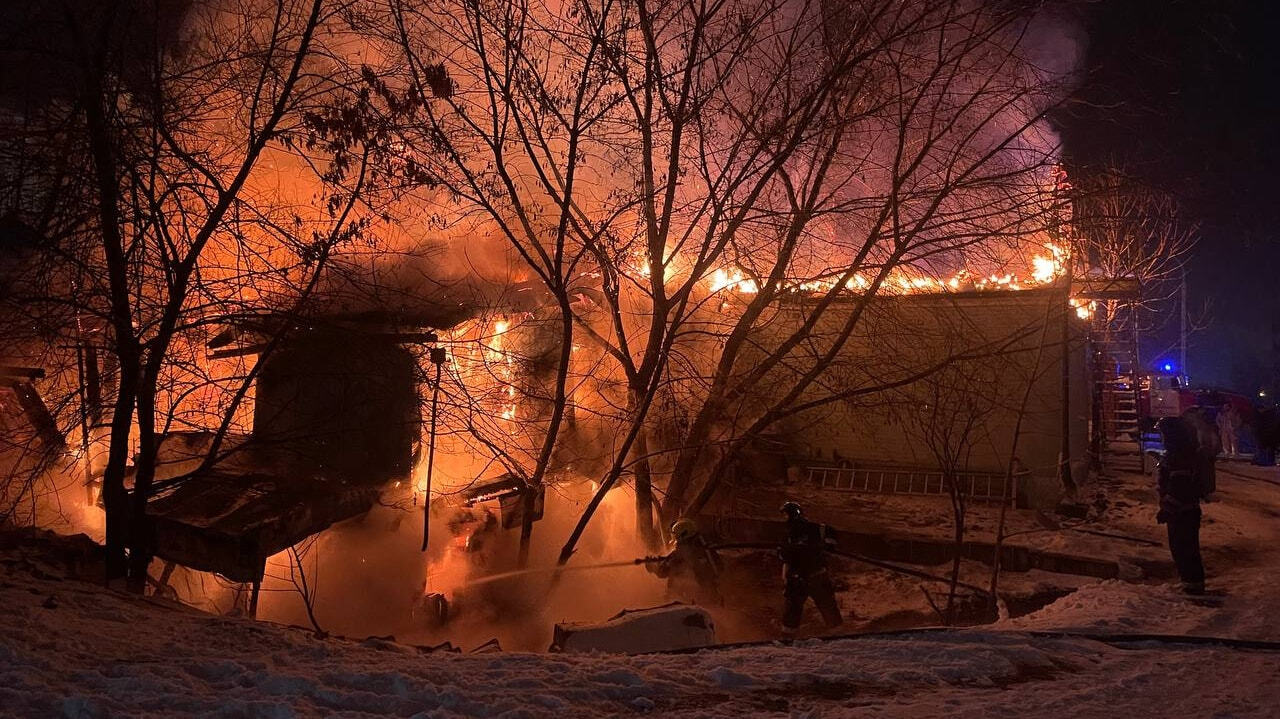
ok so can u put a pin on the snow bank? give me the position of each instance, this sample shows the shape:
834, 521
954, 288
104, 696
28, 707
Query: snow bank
1114, 606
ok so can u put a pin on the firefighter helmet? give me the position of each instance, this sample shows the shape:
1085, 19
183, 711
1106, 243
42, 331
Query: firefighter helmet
791, 509
683, 529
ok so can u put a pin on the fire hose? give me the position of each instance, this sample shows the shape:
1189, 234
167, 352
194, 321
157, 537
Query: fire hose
890, 566
865, 560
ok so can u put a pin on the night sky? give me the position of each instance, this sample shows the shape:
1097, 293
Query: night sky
1187, 94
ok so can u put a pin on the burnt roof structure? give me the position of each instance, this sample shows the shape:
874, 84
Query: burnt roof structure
231, 522
336, 419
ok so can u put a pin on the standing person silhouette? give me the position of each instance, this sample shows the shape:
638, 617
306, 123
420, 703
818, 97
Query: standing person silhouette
1228, 421
804, 559
1181, 487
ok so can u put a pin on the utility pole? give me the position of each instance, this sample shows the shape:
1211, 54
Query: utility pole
438, 358
1182, 331
1274, 390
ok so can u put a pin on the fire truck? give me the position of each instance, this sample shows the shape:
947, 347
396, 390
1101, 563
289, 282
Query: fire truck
1162, 394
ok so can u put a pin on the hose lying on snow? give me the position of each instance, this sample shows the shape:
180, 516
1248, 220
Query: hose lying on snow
1116, 640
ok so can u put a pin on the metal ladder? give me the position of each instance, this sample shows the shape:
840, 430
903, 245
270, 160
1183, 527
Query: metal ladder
1117, 377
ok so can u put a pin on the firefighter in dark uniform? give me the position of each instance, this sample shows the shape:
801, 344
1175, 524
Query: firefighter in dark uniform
692, 569
804, 560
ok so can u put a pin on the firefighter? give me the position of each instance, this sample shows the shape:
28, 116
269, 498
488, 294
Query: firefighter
692, 569
1181, 486
804, 560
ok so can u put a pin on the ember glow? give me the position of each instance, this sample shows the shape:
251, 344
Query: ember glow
1084, 308
1045, 268
732, 280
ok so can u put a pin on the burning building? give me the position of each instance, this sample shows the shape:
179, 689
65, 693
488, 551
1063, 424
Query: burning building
987, 389
335, 421
643, 227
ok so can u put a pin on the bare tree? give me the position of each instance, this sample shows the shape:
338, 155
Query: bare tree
201, 194
527, 93
672, 173
962, 184
306, 589
950, 409
1126, 230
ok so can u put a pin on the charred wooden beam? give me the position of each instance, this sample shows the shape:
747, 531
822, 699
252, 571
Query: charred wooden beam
37, 413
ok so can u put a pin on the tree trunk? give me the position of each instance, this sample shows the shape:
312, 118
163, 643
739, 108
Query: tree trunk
526, 525
957, 508
114, 497
645, 531
686, 464
140, 541
558, 404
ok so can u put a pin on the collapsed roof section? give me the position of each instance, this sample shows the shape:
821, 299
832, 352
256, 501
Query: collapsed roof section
336, 418
251, 334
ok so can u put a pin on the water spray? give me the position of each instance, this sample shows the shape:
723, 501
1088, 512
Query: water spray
557, 570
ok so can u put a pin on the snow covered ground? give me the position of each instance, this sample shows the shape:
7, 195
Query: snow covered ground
1240, 541
70, 648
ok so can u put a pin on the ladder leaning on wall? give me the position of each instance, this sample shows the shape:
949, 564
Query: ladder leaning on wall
1118, 378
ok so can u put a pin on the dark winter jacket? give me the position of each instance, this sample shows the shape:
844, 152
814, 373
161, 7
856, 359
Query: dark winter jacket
1267, 428
1208, 438
1178, 481
1177, 484
805, 551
